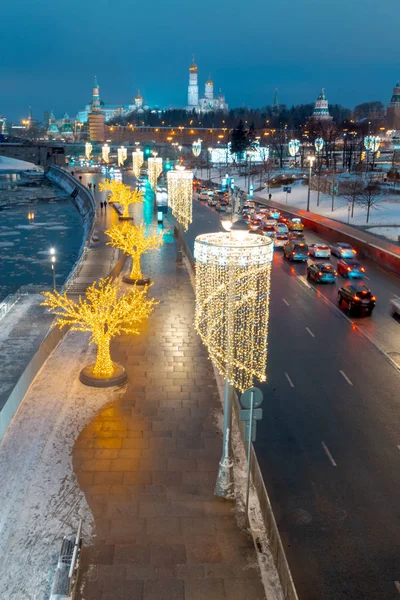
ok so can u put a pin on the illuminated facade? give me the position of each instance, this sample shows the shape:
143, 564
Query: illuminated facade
223, 155
321, 110
393, 110
208, 102
110, 110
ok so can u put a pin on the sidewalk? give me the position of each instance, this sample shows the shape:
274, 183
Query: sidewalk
147, 465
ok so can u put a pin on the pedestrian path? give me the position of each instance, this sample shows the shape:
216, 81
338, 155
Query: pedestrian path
147, 465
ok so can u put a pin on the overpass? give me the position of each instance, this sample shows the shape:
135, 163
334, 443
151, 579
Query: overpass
42, 154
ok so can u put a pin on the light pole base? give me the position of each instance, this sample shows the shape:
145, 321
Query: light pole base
224, 484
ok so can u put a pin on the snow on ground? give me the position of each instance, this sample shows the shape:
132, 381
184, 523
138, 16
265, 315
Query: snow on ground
40, 498
391, 233
14, 164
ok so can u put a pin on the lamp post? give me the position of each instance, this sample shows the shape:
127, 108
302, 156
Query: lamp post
208, 163
53, 265
319, 144
232, 303
310, 162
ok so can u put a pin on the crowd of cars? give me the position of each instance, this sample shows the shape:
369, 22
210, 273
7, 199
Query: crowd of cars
218, 199
288, 235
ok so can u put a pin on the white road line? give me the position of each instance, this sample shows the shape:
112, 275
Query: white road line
289, 380
398, 297
365, 277
310, 332
286, 302
346, 378
398, 447
329, 455
397, 584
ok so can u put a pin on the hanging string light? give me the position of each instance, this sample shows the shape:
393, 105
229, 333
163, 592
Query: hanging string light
319, 144
88, 150
232, 303
293, 147
137, 162
180, 195
154, 164
105, 152
122, 155
196, 147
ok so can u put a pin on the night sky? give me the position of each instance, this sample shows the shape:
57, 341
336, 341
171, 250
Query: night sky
50, 51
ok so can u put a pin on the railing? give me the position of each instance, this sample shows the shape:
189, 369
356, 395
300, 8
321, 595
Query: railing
66, 576
8, 302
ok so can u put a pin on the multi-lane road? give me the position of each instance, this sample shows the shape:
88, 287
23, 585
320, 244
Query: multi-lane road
329, 442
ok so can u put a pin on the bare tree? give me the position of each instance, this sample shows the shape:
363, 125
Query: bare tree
370, 196
278, 142
353, 188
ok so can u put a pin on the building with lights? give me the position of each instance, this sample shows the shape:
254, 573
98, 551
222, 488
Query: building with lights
393, 110
321, 110
96, 116
207, 102
53, 131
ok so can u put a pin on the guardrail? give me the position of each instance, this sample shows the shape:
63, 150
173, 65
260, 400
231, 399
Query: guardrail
66, 576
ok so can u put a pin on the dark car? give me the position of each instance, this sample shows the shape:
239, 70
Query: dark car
295, 250
296, 235
357, 297
350, 268
321, 273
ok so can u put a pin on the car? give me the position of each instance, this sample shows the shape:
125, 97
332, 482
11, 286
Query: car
394, 305
321, 273
351, 268
319, 250
296, 235
295, 224
280, 239
221, 207
343, 250
256, 224
203, 196
281, 228
295, 250
357, 297
275, 214
283, 220
269, 231
268, 221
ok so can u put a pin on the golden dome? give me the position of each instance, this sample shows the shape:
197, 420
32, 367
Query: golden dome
193, 66
209, 82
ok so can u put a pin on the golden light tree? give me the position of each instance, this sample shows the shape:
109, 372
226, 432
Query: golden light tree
132, 240
123, 195
105, 313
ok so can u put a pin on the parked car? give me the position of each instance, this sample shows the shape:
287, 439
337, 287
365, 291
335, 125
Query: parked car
321, 273
319, 251
343, 250
295, 250
351, 268
295, 224
357, 297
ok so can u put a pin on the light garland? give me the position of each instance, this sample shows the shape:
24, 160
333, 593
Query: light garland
372, 143
293, 147
257, 154
105, 152
104, 313
154, 170
196, 148
122, 155
180, 195
122, 194
137, 162
232, 303
319, 144
132, 240
88, 150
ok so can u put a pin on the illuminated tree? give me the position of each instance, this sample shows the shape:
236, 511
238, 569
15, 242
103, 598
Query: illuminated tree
132, 240
105, 314
122, 194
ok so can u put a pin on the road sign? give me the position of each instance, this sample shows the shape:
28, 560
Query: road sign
289, 190
245, 398
285, 188
245, 414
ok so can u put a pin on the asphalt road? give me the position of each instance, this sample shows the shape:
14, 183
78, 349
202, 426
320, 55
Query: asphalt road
328, 443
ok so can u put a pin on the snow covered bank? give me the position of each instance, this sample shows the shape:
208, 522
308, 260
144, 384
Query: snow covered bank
14, 164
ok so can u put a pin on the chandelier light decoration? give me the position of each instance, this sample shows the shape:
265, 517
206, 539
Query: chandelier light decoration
319, 144
105, 152
293, 146
122, 154
154, 164
137, 162
232, 303
372, 143
180, 195
196, 147
88, 150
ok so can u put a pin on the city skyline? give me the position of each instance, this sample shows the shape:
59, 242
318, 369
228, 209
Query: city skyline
248, 70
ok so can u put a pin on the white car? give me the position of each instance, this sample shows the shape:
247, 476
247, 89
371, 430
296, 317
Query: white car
280, 240
319, 250
343, 250
203, 195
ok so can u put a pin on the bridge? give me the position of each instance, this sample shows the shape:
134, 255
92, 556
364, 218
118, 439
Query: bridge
42, 154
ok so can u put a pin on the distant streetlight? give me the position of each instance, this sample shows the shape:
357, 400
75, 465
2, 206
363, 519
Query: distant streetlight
310, 162
53, 265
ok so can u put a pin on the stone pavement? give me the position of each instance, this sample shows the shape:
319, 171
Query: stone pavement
147, 465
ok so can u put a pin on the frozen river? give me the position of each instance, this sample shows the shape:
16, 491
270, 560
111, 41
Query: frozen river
33, 218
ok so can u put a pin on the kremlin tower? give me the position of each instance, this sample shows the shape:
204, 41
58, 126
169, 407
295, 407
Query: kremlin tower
193, 89
96, 116
393, 110
53, 131
321, 110
208, 102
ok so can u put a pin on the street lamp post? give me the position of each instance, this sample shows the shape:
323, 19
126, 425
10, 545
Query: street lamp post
53, 265
232, 305
310, 162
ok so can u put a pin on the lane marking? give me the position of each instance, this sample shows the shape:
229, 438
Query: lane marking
289, 380
329, 455
345, 377
397, 584
365, 277
310, 332
286, 302
398, 297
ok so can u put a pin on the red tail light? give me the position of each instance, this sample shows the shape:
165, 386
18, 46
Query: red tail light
373, 298
293, 253
349, 268
356, 298
362, 270
308, 254
320, 274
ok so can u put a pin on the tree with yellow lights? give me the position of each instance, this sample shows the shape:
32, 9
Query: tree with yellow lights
105, 314
132, 240
122, 194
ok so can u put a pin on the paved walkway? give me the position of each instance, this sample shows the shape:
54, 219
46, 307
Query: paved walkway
147, 465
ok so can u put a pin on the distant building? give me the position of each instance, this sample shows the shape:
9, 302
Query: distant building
112, 110
53, 131
321, 110
393, 110
207, 102
96, 116
66, 129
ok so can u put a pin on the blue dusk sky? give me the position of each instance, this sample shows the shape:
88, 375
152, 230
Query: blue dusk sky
50, 51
